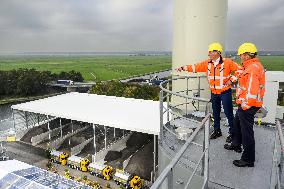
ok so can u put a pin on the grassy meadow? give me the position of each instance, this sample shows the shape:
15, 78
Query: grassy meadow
109, 67
103, 67
273, 63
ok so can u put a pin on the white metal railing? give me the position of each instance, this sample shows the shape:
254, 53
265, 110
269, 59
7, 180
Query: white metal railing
278, 158
168, 171
166, 95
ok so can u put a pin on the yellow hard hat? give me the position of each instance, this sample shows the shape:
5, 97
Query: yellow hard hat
215, 47
247, 48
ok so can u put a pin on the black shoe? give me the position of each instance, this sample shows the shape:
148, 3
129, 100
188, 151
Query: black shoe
216, 134
229, 139
231, 147
242, 163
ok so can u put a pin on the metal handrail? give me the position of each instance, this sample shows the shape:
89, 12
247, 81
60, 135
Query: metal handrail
169, 168
281, 136
165, 94
278, 159
181, 95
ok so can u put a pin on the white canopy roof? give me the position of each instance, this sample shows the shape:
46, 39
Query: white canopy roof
118, 112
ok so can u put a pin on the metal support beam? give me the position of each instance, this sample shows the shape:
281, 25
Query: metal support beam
72, 130
161, 114
60, 123
94, 156
48, 126
114, 133
199, 94
155, 151
26, 119
72, 126
105, 138
168, 103
14, 122
206, 155
186, 100
37, 119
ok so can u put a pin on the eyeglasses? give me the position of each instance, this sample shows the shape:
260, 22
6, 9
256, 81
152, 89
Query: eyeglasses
212, 52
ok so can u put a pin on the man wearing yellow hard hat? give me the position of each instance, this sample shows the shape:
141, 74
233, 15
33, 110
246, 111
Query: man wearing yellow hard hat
249, 98
221, 72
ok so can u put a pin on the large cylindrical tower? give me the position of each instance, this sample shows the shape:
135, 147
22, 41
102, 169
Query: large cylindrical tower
197, 23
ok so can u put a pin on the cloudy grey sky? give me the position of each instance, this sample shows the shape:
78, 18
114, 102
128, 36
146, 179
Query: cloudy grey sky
124, 25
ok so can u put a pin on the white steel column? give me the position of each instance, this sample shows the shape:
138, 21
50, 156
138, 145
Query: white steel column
60, 127
14, 121
72, 126
72, 132
48, 126
94, 156
114, 133
155, 151
105, 138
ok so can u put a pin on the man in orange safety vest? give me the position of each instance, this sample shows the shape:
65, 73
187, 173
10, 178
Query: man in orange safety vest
249, 97
221, 72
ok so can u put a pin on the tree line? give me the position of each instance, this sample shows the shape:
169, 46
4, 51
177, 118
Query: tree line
128, 90
27, 82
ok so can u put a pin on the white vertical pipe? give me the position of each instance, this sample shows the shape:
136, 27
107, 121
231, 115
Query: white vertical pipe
154, 169
14, 123
105, 138
60, 123
72, 130
114, 133
72, 126
94, 156
48, 126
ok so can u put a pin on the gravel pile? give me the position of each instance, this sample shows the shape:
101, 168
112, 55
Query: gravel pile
76, 139
39, 130
33, 132
137, 140
140, 146
141, 163
113, 155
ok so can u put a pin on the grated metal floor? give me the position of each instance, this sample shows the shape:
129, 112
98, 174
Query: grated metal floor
222, 173
222, 170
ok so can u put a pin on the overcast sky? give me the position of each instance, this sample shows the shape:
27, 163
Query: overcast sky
124, 25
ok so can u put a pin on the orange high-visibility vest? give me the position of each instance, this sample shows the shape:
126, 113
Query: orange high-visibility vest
251, 85
219, 75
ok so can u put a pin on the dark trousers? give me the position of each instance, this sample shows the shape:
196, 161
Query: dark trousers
226, 99
243, 132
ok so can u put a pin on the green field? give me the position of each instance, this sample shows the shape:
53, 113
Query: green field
109, 67
103, 67
273, 63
